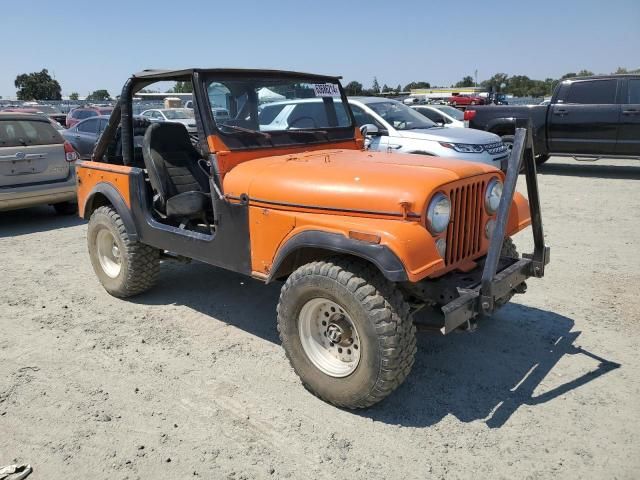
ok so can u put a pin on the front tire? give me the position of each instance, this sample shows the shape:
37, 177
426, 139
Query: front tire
124, 267
347, 332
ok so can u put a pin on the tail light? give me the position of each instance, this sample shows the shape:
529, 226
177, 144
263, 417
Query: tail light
70, 154
469, 114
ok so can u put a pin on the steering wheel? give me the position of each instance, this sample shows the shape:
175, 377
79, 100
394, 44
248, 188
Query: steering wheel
297, 120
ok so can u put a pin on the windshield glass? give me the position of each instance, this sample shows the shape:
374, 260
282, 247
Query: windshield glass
254, 111
452, 112
178, 113
399, 116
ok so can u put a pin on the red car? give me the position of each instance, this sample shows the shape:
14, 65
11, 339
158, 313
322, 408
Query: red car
78, 114
464, 100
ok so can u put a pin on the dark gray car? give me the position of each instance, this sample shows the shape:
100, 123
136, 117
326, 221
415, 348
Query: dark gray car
84, 135
36, 164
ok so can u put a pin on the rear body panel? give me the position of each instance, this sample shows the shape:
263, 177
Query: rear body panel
501, 120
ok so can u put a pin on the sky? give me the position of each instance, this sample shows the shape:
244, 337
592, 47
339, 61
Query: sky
89, 45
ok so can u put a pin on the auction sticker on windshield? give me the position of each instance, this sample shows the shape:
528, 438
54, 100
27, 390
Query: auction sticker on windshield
326, 90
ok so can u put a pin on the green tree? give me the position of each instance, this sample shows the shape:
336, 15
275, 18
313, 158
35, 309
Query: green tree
386, 88
585, 73
398, 88
375, 87
416, 85
99, 95
495, 82
568, 75
37, 86
465, 82
182, 87
354, 88
74, 96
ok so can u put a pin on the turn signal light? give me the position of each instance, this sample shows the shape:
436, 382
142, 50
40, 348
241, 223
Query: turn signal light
364, 237
70, 154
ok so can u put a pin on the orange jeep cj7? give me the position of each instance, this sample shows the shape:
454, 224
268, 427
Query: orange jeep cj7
360, 239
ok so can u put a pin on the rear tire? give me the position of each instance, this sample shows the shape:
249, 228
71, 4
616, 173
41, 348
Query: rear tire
66, 208
125, 267
508, 141
540, 159
374, 350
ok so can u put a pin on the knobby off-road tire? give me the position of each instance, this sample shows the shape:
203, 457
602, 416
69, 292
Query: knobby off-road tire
508, 250
123, 266
382, 325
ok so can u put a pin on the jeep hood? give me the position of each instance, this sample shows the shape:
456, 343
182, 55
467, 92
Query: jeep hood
353, 181
453, 135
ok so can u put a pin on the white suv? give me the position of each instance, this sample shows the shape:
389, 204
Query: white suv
391, 126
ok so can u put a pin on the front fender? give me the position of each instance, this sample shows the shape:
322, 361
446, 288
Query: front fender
406, 251
519, 215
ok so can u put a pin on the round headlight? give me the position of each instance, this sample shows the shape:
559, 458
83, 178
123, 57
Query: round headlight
438, 213
492, 196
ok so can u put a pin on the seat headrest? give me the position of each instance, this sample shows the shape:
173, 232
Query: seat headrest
168, 137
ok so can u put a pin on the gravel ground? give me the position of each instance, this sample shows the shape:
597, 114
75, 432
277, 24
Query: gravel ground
189, 380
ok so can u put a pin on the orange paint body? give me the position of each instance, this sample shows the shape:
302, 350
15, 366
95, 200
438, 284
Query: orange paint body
89, 174
344, 189
338, 191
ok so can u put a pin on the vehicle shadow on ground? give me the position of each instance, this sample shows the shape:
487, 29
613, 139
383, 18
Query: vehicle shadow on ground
489, 373
616, 172
485, 375
33, 220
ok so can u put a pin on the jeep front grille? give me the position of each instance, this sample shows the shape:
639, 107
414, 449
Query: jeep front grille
466, 230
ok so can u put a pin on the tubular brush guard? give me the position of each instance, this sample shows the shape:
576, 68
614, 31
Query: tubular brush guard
495, 284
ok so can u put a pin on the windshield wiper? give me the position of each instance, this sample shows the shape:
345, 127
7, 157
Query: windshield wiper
247, 130
310, 130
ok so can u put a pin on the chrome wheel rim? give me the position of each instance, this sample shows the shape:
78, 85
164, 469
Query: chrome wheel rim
108, 253
329, 337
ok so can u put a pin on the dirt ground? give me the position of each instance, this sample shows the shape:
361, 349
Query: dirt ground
189, 380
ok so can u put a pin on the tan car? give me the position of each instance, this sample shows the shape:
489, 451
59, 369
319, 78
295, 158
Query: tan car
36, 164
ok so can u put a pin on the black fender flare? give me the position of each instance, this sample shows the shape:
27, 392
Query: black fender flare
379, 255
501, 122
116, 200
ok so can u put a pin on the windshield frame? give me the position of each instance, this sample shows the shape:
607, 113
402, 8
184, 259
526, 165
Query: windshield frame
246, 140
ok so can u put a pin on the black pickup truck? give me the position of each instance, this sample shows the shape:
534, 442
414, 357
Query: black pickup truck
587, 118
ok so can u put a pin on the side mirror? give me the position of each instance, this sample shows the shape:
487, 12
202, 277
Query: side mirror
369, 129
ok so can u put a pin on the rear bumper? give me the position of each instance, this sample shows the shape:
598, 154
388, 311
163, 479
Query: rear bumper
38, 194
